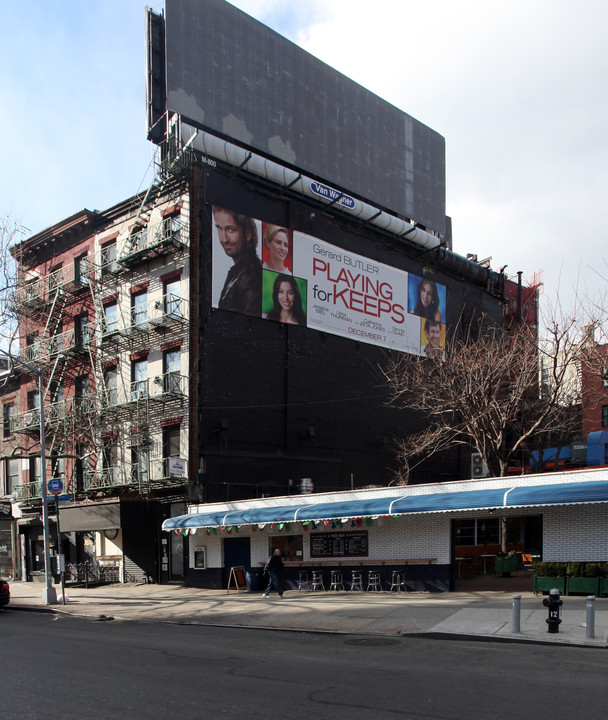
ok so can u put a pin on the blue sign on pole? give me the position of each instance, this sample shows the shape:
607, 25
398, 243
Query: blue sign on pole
55, 486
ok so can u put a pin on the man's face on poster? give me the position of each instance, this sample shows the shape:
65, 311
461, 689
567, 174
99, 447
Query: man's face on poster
231, 235
434, 335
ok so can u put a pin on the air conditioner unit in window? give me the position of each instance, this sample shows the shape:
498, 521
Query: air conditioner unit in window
478, 467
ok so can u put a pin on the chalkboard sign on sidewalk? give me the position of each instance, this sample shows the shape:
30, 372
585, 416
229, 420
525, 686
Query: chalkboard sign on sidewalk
238, 578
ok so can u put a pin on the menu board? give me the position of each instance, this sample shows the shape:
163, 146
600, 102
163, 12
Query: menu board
345, 544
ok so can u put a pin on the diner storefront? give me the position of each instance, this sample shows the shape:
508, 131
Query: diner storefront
419, 530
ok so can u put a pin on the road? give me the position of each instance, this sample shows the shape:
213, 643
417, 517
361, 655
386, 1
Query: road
73, 668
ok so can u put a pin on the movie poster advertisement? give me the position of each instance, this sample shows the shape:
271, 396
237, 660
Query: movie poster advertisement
286, 276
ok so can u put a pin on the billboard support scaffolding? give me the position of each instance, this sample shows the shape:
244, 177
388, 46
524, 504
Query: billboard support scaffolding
220, 149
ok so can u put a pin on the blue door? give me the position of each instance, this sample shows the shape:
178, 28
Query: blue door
237, 551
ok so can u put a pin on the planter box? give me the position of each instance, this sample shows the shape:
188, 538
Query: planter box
506, 564
544, 584
586, 586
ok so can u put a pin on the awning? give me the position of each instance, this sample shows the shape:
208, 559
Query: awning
402, 504
104, 516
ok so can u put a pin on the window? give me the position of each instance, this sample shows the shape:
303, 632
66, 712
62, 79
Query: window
56, 340
81, 270
55, 278
110, 380
138, 238
8, 412
291, 546
58, 468
109, 461
81, 391
32, 346
139, 308
139, 465
82, 466
171, 444
11, 474
139, 379
108, 258
485, 531
35, 474
81, 330
110, 318
172, 298
604, 415
32, 289
33, 400
171, 367
171, 227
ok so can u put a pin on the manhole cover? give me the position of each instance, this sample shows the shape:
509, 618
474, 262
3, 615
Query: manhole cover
372, 642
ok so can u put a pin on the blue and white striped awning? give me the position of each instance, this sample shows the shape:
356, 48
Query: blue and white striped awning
398, 504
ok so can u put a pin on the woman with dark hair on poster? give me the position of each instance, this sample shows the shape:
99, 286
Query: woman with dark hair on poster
428, 301
286, 301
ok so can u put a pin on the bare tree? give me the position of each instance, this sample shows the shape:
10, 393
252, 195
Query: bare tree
10, 235
489, 393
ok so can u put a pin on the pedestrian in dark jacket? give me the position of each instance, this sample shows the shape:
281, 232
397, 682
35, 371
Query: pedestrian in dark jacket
274, 566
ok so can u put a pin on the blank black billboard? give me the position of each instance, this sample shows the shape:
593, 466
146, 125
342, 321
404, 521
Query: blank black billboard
232, 75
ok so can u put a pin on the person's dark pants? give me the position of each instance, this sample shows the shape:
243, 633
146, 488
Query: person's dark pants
273, 582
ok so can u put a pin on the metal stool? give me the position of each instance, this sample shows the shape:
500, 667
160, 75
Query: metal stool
317, 581
398, 581
373, 581
356, 580
337, 582
303, 580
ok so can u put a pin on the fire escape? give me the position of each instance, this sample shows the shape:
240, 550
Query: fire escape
105, 435
139, 386
41, 303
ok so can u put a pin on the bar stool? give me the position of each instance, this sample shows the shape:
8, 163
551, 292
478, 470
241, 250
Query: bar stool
398, 581
337, 582
356, 580
373, 581
303, 580
317, 581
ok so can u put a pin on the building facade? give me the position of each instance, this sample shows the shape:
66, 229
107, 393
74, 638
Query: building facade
103, 308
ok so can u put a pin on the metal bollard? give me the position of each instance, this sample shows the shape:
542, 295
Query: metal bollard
516, 613
590, 629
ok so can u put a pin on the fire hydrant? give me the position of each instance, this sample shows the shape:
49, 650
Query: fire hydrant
553, 602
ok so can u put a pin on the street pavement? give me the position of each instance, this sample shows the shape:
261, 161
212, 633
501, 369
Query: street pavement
482, 610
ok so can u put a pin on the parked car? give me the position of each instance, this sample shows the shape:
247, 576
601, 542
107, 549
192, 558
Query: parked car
5, 593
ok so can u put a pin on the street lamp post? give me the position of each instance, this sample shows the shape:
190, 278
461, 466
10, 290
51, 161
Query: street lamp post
49, 594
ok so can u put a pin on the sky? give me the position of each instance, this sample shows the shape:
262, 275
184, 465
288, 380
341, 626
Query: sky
519, 91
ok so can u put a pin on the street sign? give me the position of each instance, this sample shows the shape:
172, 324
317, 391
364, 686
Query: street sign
59, 498
55, 486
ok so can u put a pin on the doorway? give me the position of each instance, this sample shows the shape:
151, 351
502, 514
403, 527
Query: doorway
237, 551
176, 548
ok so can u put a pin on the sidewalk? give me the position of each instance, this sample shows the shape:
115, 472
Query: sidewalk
475, 613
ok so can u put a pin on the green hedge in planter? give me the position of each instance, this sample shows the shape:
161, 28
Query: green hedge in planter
588, 578
546, 584
506, 564
584, 585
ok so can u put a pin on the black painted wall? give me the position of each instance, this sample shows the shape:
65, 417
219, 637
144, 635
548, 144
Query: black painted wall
280, 403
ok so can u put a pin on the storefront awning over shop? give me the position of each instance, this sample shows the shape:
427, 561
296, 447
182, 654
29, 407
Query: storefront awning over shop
398, 504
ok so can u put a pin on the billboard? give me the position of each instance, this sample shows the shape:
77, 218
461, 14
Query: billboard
281, 274
234, 77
